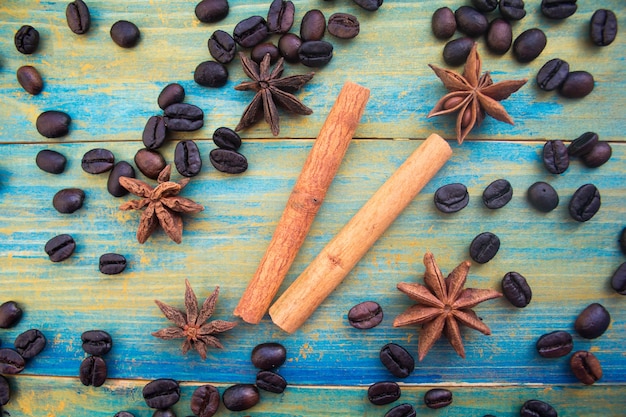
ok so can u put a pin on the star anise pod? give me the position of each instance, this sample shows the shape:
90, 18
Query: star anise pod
443, 305
191, 326
472, 95
271, 91
160, 205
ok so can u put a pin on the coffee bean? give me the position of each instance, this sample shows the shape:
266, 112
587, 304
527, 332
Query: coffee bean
537, 408
124, 414
516, 289
499, 36
365, 315
583, 144
121, 169
10, 314
111, 263
168, 412
226, 138
171, 94
470, 21
30, 343
161, 393
542, 196
30, 79
451, 198
149, 162
369, 5
268, 355
512, 9
555, 156
11, 362
313, 25
598, 156
222, 47
93, 371
183, 117
60, 247
288, 46
210, 74
240, 397
271, 382
68, 200
456, 51
586, 367
529, 45
578, 84
211, 11
96, 342
552, 74
50, 161
205, 401
97, 161
622, 241
603, 27
384, 392
78, 17
250, 32
555, 344
187, 158
402, 410
397, 360
258, 52
485, 6
585, 203
53, 124
618, 281
26, 39
484, 247
228, 161
280, 16
443, 23
154, 133
558, 9
315, 53
497, 194
593, 321
438, 398
343, 25
5, 391
125, 34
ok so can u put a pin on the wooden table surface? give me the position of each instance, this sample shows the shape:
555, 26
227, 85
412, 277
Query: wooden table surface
110, 92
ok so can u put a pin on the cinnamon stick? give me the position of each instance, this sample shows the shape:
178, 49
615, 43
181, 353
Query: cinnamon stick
343, 252
304, 202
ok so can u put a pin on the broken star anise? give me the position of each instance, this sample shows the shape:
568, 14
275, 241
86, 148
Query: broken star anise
271, 91
472, 95
191, 326
161, 205
443, 305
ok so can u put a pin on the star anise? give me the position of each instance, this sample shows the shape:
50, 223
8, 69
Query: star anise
271, 91
472, 95
443, 305
160, 205
191, 325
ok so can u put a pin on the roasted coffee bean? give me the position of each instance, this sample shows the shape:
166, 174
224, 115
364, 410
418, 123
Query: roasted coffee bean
365, 315
50, 161
537, 408
183, 117
369, 5
111, 263
622, 241
470, 21
585, 203
187, 158
497, 194
268, 355
30, 79
250, 32
161, 393
210, 74
124, 414
578, 84
228, 161
516, 289
30, 343
154, 133
125, 34
485, 6
583, 144
438, 398
555, 344
226, 138
96, 342
222, 47
343, 25
60, 247
289, 44
443, 23
271, 382
210, 11
315, 53
149, 162
10, 314
313, 25
456, 51
586, 367
384, 392
97, 161
168, 412
171, 94
484, 247
402, 410
240, 397
397, 360
451, 198
558, 9
512, 9
68, 200
53, 124
26, 39
93, 371
78, 17
552, 74
258, 52
280, 16
618, 281
11, 362
598, 156
555, 156
529, 45
542, 196
593, 321
499, 36
603, 27
5, 391
121, 169
205, 401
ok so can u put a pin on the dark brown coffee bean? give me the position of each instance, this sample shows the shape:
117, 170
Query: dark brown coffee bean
537, 408
485, 6
470, 21
603, 27
598, 156
365, 315
268, 355
125, 34
10, 314
226, 138
315, 53
210, 74
280, 16
593, 321
555, 344
586, 367
205, 401
552, 74
149, 162
78, 17
11, 362
271, 382
438, 398
97, 161
183, 117
53, 124
397, 360
168, 412
187, 158
313, 25
50, 161
240, 397
456, 51
5, 391
384, 392
585, 203
60, 247
369, 5
443, 23
121, 169
558, 9
171, 94
516, 289
161, 393
210, 11
497, 194
451, 198
259, 51
512, 9
542, 196
250, 32
289, 44
622, 241
154, 133
96, 342
618, 281
68, 200
93, 371
578, 84
402, 410
26, 40
343, 25
30, 343
484, 247
499, 36
228, 161
111, 263
555, 156
583, 144
529, 45
30, 79
222, 47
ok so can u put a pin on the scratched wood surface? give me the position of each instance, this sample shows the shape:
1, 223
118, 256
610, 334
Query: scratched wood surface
110, 92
